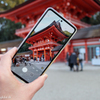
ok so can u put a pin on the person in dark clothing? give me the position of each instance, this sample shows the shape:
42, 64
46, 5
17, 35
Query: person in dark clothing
81, 61
34, 58
77, 64
73, 60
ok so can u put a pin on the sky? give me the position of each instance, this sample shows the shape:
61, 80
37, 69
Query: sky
49, 18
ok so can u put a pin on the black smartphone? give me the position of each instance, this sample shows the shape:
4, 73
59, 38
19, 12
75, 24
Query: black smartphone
42, 45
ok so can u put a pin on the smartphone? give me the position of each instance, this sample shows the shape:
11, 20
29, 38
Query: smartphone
42, 45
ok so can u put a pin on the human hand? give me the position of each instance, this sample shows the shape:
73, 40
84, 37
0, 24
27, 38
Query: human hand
10, 87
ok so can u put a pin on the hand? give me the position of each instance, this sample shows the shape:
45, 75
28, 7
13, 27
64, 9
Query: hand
10, 87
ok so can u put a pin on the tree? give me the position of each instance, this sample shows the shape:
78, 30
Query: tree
8, 4
7, 29
24, 48
95, 19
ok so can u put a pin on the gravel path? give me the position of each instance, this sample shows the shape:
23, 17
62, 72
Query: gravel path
65, 85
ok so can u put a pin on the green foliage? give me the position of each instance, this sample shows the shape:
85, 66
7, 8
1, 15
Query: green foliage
86, 20
7, 29
8, 4
63, 41
24, 48
67, 33
94, 20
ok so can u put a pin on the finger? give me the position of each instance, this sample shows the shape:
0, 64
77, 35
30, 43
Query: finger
11, 52
0, 55
37, 84
7, 58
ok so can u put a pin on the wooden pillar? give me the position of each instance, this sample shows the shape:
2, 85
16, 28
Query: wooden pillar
86, 52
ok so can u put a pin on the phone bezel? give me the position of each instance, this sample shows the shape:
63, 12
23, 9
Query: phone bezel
69, 38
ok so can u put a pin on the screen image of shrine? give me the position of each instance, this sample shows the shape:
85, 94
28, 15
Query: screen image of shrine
42, 45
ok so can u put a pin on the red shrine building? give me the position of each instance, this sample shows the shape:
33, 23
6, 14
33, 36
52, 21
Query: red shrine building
74, 10
45, 41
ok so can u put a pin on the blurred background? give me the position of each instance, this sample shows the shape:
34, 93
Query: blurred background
17, 17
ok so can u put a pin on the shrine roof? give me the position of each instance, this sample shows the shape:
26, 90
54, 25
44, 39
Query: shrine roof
56, 24
90, 32
10, 43
84, 4
34, 8
57, 48
58, 27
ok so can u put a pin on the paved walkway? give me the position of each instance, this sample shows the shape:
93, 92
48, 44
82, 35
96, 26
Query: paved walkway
65, 85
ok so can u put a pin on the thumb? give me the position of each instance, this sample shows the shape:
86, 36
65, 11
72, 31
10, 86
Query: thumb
7, 57
11, 52
37, 84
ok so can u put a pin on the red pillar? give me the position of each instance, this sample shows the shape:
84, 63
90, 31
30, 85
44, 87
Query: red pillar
44, 54
71, 43
66, 49
86, 51
67, 46
50, 54
37, 53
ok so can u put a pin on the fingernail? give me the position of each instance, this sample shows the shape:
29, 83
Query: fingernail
46, 76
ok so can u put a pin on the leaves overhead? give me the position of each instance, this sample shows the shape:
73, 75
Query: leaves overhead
8, 4
94, 20
7, 29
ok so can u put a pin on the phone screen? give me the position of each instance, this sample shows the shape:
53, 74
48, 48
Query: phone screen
42, 45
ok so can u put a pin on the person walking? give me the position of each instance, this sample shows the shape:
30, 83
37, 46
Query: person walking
38, 59
73, 61
77, 63
81, 61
